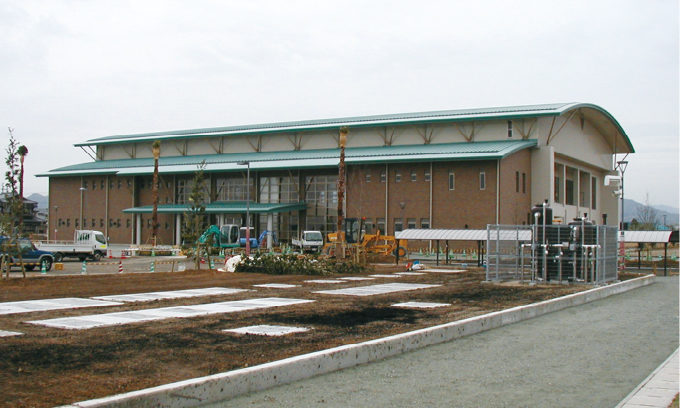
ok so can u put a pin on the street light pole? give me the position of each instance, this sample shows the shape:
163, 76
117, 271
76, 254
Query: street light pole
247, 163
621, 166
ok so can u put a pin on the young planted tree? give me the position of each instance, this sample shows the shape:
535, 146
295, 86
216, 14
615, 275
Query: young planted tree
10, 219
156, 149
195, 218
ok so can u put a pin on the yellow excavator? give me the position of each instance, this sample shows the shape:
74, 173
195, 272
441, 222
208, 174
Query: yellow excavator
355, 234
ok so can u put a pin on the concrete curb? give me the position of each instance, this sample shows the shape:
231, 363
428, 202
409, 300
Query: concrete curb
219, 387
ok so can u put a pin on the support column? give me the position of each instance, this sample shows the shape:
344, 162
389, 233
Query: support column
178, 229
270, 227
138, 226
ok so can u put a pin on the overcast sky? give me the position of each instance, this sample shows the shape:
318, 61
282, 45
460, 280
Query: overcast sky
76, 70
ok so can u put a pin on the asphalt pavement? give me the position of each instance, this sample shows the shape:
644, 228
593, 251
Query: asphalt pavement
586, 356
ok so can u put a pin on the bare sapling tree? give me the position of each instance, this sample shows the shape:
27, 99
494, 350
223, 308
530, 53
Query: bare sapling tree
156, 150
195, 217
647, 216
13, 211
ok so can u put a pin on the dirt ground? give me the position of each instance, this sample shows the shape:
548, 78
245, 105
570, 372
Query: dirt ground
48, 366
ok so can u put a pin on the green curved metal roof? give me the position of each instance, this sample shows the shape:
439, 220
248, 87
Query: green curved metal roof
507, 112
487, 150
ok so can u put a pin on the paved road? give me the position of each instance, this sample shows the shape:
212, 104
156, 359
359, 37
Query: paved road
587, 356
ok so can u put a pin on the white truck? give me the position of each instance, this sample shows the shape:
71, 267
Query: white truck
86, 244
311, 241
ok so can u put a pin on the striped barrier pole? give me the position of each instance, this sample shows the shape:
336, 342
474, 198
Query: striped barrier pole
120, 266
43, 268
153, 266
83, 270
212, 264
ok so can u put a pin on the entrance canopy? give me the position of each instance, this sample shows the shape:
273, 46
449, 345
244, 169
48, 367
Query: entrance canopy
222, 207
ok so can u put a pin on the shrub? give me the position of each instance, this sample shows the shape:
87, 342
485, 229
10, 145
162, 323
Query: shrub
292, 264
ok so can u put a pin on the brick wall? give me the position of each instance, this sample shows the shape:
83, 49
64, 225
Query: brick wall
464, 206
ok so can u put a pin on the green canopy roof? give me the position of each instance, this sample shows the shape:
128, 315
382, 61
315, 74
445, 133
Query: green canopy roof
222, 207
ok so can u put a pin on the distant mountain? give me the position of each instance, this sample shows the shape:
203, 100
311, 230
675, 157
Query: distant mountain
40, 199
632, 210
668, 209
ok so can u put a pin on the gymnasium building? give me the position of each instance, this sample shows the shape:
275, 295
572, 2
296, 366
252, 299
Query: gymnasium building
451, 169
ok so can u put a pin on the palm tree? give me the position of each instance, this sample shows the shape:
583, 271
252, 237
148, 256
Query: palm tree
156, 149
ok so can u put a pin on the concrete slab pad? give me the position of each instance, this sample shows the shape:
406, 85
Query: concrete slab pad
268, 330
356, 278
410, 273
4, 333
276, 285
420, 305
384, 276
119, 318
443, 270
171, 294
27, 306
325, 281
377, 289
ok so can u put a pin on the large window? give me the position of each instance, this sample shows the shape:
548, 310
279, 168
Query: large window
322, 203
234, 188
558, 186
398, 224
584, 189
570, 186
280, 190
183, 192
425, 223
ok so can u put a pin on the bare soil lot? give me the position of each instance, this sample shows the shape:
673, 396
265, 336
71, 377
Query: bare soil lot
48, 367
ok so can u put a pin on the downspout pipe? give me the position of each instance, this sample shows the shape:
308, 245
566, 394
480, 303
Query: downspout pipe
498, 191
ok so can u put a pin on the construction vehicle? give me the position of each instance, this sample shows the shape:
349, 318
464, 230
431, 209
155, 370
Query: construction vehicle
355, 234
226, 236
253, 238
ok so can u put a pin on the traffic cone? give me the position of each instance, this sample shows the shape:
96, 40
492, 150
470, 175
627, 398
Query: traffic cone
43, 268
83, 270
120, 266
